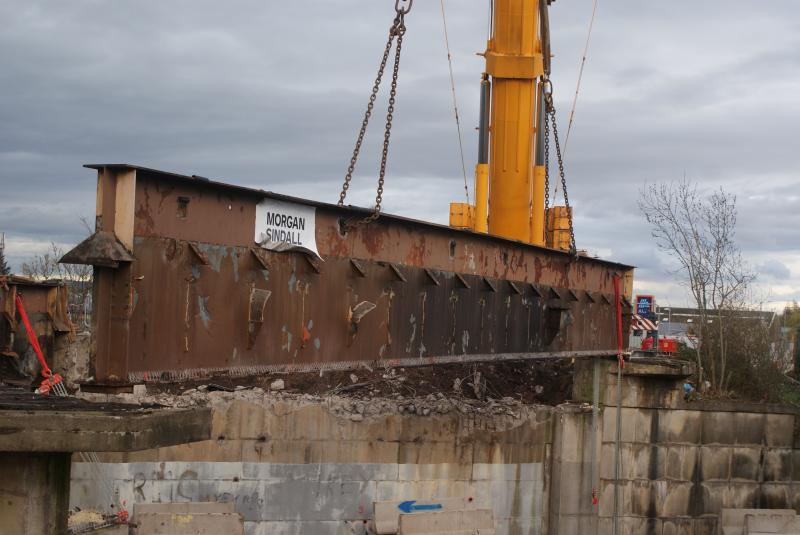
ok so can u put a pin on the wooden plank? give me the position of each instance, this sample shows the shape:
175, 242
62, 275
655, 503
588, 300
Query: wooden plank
124, 207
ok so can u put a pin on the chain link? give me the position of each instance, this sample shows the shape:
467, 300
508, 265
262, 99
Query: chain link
546, 168
396, 31
550, 115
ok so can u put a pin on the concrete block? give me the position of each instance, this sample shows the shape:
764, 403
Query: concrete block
705, 526
251, 420
795, 493
489, 531
508, 499
643, 461
504, 453
779, 430
14, 514
677, 426
144, 456
311, 500
713, 497
778, 465
507, 472
315, 452
628, 525
427, 490
737, 517
94, 471
113, 530
745, 463
767, 522
679, 462
420, 472
642, 499
328, 472
189, 524
177, 470
446, 521
672, 498
715, 462
634, 498
387, 513
561, 524
300, 527
750, 427
718, 427
744, 494
644, 425
183, 508
215, 450
677, 526
571, 480
738, 495
796, 465
776, 495
532, 425
629, 420
526, 525
792, 527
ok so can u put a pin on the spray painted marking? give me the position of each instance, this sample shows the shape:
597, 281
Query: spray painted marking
409, 507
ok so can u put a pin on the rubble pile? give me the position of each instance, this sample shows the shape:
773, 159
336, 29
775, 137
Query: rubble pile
490, 390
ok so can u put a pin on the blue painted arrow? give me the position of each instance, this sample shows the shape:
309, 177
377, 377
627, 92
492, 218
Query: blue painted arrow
409, 507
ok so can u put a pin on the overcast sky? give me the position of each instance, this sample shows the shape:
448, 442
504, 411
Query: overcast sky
270, 95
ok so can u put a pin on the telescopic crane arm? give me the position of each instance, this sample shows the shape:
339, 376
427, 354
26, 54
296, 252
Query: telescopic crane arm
510, 174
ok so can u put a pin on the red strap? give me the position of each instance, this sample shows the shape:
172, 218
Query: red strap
32, 339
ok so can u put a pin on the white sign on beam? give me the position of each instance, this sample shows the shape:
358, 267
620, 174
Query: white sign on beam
286, 226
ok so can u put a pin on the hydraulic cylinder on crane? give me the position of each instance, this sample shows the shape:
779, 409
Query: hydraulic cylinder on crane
509, 188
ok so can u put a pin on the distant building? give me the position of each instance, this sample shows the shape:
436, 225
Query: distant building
682, 323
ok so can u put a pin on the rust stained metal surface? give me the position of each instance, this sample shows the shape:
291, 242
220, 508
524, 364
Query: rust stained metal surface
199, 297
46, 305
100, 249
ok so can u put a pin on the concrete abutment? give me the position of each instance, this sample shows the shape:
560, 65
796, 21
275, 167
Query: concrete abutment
292, 464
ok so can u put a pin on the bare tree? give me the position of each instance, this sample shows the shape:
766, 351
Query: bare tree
45, 265
77, 277
699, 233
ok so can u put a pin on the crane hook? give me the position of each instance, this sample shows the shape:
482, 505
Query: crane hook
403, 6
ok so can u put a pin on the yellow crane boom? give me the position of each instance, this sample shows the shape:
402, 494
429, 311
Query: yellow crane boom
510, 174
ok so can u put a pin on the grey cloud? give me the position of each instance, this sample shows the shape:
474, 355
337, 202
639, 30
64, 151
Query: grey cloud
271, 95
775, 269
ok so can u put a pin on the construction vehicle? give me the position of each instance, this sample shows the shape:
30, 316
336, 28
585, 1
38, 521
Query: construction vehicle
516, 112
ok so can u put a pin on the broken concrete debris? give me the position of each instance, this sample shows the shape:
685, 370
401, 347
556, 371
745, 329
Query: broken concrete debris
277, 384
340, 405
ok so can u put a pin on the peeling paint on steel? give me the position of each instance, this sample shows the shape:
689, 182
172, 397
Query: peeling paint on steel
419, 315
202, 308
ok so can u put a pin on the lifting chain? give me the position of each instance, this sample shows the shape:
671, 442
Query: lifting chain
397, 30
550, 115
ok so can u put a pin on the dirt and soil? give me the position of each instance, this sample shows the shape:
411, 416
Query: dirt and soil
528, 382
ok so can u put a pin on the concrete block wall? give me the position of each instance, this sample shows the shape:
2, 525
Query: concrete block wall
682, 463
693, 463
296, 468
32, 492
572, 510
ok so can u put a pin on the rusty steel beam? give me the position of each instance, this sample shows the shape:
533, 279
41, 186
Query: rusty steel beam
200, 295
247, 371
